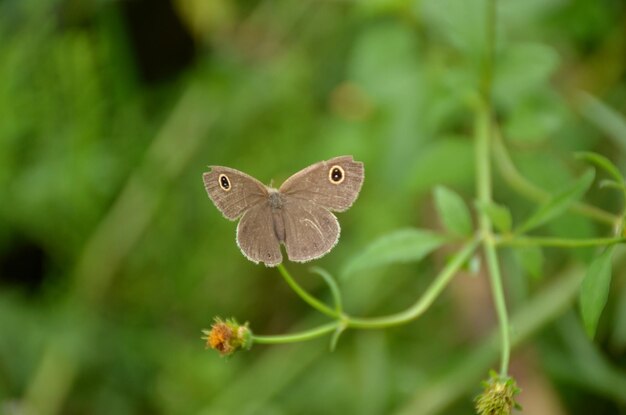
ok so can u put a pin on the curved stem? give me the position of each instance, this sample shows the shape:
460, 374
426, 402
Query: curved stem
308, 298
342, 320
518, 182
433, 291
298, 337
523, 241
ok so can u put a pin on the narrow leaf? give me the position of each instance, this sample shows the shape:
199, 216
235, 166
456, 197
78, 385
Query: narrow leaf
558, 203
453, 211
602, 162
334, 288
606, 164
335, 337
594, 290
499, 215
401, 246
612, 184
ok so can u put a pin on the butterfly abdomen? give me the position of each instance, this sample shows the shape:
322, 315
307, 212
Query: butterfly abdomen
276, 203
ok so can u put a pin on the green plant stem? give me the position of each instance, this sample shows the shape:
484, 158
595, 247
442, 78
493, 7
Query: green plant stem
342, 320
523, 241
298, 337
484, 133
483, 184
308, 298
442, 391
498, 295
488, 57
524, 187
433, 291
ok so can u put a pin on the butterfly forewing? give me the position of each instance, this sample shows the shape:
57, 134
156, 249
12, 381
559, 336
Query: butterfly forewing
232, 191
333, 184
310, 230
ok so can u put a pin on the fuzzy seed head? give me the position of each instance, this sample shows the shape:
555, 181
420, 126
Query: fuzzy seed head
498, 397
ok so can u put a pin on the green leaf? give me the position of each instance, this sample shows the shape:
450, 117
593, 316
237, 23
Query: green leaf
558, 203
390, 48
606, 183
498, 214
401, 246
602, 162
534, 119
531, 260
524, 70
459, 22
335, 337
605, 164
594, 290
455, 153
453, 211
334, 288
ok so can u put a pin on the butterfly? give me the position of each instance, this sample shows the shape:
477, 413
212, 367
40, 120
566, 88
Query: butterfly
297, 214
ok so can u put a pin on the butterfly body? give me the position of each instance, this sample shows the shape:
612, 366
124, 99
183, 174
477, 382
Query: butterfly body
276, 203
297, 215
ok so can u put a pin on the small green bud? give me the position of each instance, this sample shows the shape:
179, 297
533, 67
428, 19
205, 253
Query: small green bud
498, 397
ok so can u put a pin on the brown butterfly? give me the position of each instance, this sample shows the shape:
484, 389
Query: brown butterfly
298, 214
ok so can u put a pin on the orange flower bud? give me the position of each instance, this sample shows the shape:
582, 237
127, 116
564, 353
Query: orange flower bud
227, 336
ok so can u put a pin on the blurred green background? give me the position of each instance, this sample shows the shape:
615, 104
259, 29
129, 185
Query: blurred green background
112, 258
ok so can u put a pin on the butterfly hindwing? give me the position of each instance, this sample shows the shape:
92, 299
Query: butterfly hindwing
311, 231
256, 236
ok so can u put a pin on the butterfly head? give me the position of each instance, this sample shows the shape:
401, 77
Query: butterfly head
276, 199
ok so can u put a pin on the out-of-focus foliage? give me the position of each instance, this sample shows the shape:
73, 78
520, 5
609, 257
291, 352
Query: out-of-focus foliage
112, 258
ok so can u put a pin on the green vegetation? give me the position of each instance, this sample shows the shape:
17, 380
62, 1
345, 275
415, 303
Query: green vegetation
488, 233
